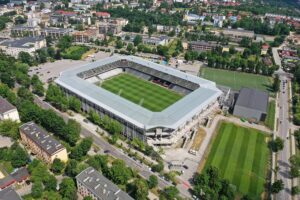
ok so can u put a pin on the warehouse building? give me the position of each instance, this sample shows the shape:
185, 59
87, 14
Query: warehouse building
251, 104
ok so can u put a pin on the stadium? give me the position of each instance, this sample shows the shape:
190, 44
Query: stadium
155, 103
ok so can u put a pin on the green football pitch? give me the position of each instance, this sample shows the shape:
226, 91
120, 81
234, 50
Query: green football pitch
237, 80
149, 95
242, 156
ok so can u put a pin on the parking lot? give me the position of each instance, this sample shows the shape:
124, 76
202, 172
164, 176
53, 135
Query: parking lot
51, 70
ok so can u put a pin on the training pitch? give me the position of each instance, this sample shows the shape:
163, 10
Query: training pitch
241, 154
149, 95
237, 80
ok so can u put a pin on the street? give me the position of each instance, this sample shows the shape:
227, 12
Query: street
283, 133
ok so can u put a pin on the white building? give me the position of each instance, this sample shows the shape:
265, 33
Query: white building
8, 111
29, 44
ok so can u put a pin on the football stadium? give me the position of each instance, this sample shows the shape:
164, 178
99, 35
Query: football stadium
156, 103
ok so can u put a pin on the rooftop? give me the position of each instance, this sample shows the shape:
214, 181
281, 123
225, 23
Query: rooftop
27, 42
172, 117
101, 186
254, 99
41, 138
9, 194
5, 106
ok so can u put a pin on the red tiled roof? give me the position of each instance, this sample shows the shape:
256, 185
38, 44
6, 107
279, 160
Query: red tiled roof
102, 14
63, 12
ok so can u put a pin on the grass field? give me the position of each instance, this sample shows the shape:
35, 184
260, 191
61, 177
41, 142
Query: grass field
270, 120
241, 154
236, 80
139, 91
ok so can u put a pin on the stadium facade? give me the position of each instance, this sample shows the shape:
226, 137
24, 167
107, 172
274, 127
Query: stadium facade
159, 127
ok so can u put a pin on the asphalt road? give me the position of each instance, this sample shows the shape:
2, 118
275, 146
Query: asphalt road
113, 151
283, 133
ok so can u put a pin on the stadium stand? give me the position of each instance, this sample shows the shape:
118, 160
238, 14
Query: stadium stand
182, 86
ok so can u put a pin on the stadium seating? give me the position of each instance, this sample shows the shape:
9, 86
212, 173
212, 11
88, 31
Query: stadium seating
178, 84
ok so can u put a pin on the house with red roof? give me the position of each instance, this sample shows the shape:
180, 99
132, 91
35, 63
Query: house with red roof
104, 15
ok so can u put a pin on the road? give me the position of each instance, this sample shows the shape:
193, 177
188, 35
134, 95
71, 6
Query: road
283, 133
113, 151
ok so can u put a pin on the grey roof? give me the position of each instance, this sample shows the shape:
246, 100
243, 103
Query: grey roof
100, 186
240, 32
20, 174
6, 181
43, 139
204, 43
17, 176
27, 42
57, 30
5, 106
254, 99
172, 117
9, 194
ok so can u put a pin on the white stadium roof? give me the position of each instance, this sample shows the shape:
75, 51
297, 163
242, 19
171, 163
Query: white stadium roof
171, 117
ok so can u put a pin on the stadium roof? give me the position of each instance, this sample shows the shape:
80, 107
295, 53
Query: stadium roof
172, 117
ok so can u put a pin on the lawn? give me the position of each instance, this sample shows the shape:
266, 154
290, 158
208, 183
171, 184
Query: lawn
74, 52
270, 120
149, 95
241, 154
237, 80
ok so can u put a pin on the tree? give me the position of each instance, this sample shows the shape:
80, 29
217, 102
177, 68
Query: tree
10, 129
67, 189
137, 40
72, 132
81, 149
140, 189
153, 181
57, 166
37, 190
119, 173
129, 47
276, 145
19, 157
276, 84
74, 104
50, 183
25, 57
170, 193
158, 167
119, 44
295, 190
277, 186
71, 168
64, 42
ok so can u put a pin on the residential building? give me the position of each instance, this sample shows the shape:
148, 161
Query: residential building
91, 183
29, 44
252, 104
16, 178
107, 27
8, 111
41, 143
237, 35
202, 45
103, 15
155, 41
9, 194
85, 36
